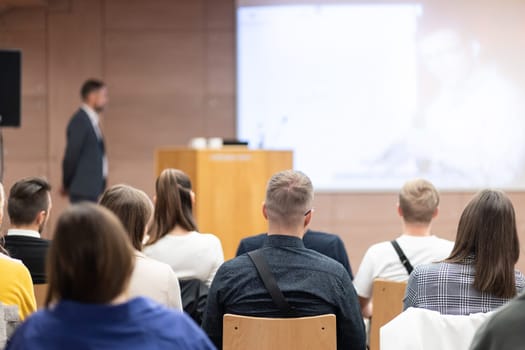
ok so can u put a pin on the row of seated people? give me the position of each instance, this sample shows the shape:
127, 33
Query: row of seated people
312, 283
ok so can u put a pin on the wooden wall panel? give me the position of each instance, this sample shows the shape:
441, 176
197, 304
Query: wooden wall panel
136, 126
74, 40
154, 15
154, 63
170, 66
25, 30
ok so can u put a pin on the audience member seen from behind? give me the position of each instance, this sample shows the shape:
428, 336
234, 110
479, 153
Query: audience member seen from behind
479, 275
312, 283
90, 265
174, 238
16, 287
417, 207
504, 330
325, 243
29, 208
150, 278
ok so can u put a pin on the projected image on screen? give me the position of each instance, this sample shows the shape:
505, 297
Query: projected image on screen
370, 95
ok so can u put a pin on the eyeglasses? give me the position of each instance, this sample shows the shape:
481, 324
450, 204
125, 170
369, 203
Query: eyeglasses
308, 211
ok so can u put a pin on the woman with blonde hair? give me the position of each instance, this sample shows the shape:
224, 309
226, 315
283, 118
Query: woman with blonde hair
174, 238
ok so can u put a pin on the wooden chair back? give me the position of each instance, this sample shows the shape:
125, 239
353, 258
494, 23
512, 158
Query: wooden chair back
256, 333
388, 303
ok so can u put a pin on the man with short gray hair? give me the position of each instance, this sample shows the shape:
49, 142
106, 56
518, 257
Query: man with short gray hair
284, 279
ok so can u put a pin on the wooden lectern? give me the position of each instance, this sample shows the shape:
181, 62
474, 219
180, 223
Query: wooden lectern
230, 185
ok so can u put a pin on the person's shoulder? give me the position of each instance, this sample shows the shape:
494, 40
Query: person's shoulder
320, 262
14, 265
42, 242
209, 238
236, 263
41, 319
79, 116
183, 331
152, 264
379, 249
255, 240
155, 317
322, 238
233, 268
22, 240
9, 258
431, 270
443, 241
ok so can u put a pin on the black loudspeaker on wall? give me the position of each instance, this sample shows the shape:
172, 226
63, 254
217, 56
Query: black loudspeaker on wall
10, 87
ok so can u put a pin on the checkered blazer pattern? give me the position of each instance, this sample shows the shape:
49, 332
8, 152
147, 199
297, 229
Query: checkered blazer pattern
448, 289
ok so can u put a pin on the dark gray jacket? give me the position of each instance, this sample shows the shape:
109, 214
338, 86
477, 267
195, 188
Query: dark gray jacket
82, 167
504, 330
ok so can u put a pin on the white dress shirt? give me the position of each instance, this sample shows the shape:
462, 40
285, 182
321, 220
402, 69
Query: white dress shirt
24, 233
95, 121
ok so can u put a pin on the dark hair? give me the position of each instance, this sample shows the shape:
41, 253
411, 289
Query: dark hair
487, 231
132, 207
173, 206
90, 259
27, 198
90, 86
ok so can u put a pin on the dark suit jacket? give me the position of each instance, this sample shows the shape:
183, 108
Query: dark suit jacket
82, 167
325, 243
32, 251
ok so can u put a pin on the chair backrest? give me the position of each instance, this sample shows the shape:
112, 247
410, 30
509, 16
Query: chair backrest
256, 333
420, 329
388, 303
40, 294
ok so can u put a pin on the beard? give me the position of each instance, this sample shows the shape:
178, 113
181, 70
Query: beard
99, 109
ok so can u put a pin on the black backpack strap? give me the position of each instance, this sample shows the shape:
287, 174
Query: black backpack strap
402, 257
269, 281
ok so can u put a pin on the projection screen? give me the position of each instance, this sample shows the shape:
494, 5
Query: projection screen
369, 94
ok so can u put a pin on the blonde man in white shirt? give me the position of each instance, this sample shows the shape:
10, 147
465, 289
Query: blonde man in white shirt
150, 278
418, 206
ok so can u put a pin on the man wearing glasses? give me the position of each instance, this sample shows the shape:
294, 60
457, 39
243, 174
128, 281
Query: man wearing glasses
306, 283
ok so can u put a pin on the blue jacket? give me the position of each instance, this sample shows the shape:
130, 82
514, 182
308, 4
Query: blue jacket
325, 243
137, 324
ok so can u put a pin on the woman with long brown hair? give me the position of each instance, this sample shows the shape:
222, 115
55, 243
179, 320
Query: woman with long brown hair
151, 278
89, 267
479, 275
173, 237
